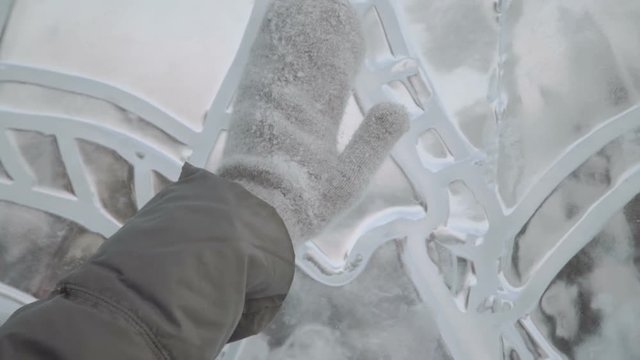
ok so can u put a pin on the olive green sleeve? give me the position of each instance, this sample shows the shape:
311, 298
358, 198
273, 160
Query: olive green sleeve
203, 263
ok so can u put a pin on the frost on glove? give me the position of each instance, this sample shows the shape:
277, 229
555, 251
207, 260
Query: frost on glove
282, 142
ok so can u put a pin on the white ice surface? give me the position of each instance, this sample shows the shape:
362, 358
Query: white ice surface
521, 80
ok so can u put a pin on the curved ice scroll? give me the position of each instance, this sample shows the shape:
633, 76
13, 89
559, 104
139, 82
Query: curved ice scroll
480, 314
455, 258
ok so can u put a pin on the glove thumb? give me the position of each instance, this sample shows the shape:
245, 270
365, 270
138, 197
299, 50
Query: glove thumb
370, 145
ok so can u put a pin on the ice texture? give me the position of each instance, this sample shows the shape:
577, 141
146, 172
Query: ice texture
3, 173
42, 155
175, 56
37, 249
567, 68
115, 191
378, 316
42, 100
523, 81
590, 310
569, 201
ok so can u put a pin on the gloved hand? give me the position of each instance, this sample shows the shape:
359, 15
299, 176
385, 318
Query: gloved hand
282, 142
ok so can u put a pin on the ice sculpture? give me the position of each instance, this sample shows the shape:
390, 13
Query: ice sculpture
504, 226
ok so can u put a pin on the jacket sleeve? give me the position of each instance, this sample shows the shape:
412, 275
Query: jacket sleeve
203, 263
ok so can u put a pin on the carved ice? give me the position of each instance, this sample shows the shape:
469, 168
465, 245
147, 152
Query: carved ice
505, 225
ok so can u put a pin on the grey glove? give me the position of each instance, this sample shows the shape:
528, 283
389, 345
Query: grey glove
282, 142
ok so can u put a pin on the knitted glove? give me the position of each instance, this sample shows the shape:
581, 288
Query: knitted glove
282, 142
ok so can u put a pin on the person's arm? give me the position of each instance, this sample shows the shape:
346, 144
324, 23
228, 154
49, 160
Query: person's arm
203, 263
206, 261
